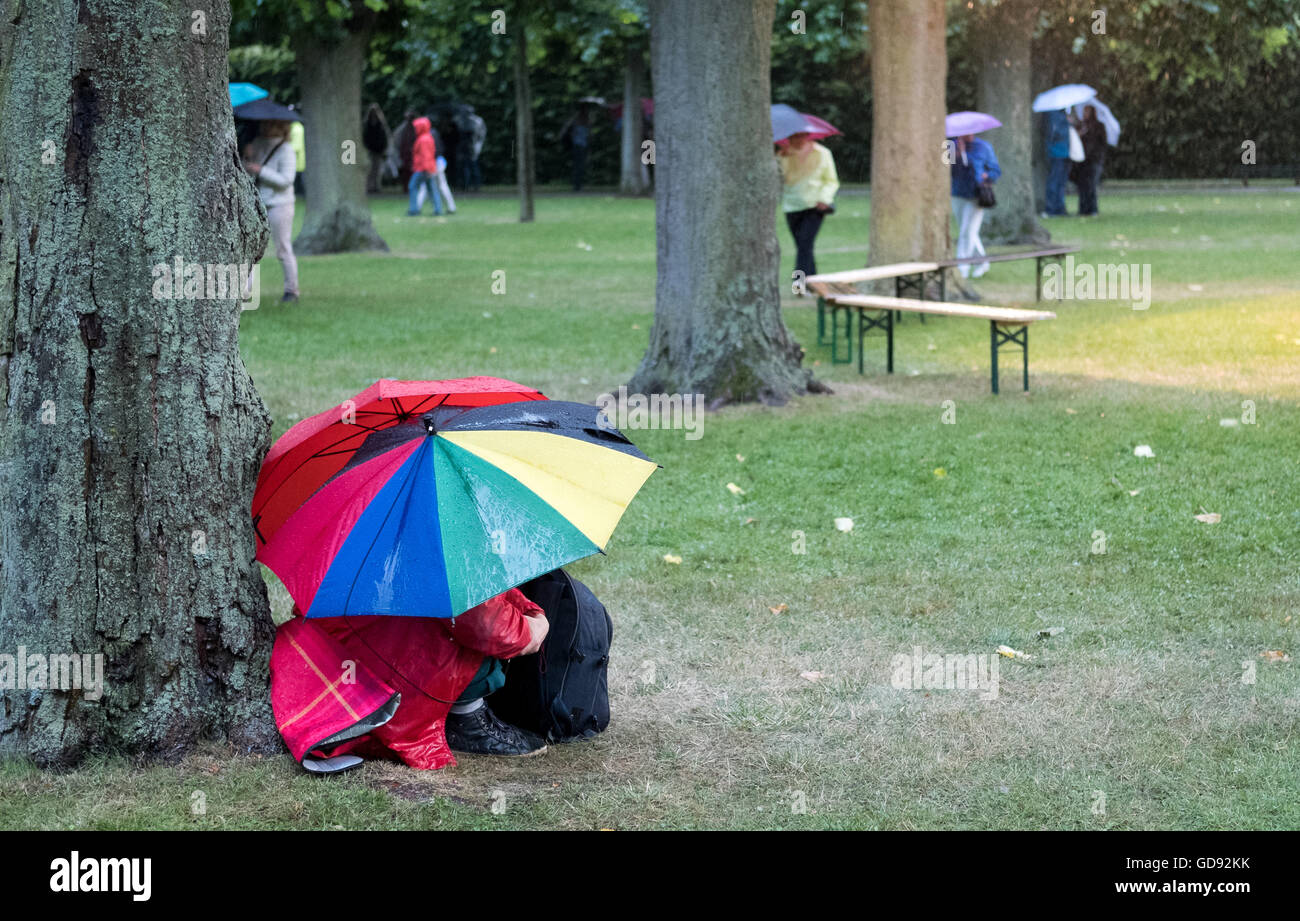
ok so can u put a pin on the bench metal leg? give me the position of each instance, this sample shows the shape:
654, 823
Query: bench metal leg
884, 320
999, 337
835, 335
821, 321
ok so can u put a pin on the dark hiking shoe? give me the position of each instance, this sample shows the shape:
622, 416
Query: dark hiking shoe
481, 733
289, 298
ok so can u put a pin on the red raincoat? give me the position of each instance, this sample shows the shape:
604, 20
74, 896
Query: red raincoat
424, 153
427, 660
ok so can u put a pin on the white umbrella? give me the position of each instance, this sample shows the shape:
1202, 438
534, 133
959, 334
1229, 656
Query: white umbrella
1105, 116
1062, 97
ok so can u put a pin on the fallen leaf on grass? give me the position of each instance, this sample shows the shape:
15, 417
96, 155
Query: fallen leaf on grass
1051, 631
940, 472
844, 524
735, 490
1143, 451
1010, 653
749, 521
740, 457
1210, 517
1274, 655
675, 560
811, 676
1072, 412
780, 608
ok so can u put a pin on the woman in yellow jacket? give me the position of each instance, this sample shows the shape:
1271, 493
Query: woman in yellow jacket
808, 172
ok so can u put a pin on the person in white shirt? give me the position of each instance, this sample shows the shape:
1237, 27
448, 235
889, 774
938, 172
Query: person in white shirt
272, 163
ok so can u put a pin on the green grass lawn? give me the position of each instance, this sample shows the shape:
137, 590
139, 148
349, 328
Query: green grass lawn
966, 536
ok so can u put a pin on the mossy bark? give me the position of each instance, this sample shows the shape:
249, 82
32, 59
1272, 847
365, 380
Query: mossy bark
338, 213
130, 432
718, 328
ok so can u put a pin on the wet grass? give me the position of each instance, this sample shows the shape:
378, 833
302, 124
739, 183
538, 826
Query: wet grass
1153, 708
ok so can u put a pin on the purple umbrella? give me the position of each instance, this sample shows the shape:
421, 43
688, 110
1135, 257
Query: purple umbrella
959, 124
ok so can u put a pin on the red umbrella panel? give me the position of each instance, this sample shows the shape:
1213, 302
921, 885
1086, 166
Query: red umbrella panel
313, 451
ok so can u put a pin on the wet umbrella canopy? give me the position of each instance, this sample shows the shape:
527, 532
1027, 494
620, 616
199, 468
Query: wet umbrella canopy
447, 507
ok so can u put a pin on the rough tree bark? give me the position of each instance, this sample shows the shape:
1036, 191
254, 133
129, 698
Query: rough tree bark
718, 328
130, 432
338, 213
1004, 34
909, 179
525, 167
632, 174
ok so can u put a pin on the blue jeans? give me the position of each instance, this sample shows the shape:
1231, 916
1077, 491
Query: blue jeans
1058, 172
425, 179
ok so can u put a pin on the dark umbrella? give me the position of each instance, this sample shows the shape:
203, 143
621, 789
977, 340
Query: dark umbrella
264, 110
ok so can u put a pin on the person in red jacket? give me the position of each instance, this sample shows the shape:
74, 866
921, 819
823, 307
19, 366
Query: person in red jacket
442, 667
424, 164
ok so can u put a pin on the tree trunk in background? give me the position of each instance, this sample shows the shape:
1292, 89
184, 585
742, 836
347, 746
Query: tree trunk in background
1004, 34
631, 179
909, 179
525, 169
718, 328
338, 214
130, 433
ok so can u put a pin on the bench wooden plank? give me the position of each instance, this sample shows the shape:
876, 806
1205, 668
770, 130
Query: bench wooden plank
873, 273
1048, 252
1009, 316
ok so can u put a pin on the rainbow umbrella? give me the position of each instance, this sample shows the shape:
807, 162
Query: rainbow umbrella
443, 510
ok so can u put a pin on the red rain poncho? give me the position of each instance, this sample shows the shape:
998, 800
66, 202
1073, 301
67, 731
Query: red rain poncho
332, 677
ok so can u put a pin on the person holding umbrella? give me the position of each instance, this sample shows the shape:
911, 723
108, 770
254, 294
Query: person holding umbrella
974, 165
809, 181
1093, 134
270, 160
1055, 102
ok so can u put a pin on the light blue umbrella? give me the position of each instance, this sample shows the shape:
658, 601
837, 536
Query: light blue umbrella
787, 121
241, 93
1062, 97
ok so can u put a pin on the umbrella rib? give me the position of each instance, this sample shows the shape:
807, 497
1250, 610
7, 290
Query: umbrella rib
323, 452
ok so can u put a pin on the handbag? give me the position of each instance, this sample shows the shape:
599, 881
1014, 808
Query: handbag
1076, 146
984, 196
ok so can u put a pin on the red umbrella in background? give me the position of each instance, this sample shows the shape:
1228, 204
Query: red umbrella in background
822, 128
315, 449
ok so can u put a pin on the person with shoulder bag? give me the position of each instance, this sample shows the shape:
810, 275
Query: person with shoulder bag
974, 170
271, 161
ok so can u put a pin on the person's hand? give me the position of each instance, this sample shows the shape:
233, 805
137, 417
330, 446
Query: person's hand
822, 206
538, 626
253, 168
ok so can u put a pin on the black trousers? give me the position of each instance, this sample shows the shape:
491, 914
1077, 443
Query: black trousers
803, 227
1089, 175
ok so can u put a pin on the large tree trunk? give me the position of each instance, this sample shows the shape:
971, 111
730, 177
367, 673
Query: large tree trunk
1004, 33
909, 181
525, 168
338, 214
632, 174
718, 328
130, 433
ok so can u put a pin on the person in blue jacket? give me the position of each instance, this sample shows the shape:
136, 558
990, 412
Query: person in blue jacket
973, 164
1058, 162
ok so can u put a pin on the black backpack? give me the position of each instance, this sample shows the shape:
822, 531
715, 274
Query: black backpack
561, 692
